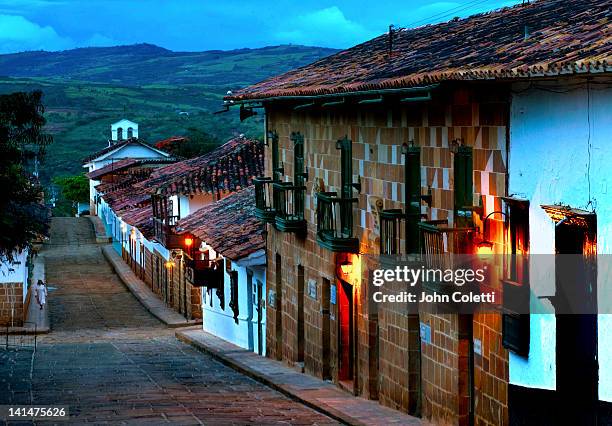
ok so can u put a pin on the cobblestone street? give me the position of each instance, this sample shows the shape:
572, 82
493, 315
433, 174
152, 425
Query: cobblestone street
110, 361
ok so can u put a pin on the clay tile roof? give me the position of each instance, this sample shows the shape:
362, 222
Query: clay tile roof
168, 142
117, 145
132, 204
113, 167
230, 167
139, 217
228, 225
563, 37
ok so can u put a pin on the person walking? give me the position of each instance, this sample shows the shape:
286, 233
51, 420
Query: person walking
41, 293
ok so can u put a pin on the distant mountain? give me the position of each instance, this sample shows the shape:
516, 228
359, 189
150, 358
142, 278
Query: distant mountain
143, 64
167, 93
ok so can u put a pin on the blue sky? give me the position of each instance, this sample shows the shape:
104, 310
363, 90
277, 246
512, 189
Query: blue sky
195, 25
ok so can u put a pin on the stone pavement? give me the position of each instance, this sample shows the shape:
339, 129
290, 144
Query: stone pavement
321, 395
112, 362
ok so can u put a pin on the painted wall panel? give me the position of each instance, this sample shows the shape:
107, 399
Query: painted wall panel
220, 321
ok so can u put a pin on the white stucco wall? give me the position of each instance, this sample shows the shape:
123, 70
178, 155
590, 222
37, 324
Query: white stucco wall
124, 125
551, 161
220, 322
182, 201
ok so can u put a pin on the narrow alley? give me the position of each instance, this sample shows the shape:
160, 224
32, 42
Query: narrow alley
110, 361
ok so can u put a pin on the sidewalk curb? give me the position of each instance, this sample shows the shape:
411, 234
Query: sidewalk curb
257, 376
143, 294
99, 230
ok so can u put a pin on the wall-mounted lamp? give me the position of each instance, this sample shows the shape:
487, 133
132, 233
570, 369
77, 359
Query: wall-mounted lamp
346, 268
169, 264
188, 242
485, 246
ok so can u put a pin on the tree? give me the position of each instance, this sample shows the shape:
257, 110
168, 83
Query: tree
74, 188
23, 217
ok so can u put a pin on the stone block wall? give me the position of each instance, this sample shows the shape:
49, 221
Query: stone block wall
168, 283
391, 363
11, 304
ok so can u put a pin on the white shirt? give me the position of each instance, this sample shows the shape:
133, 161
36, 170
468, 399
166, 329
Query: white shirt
41, 294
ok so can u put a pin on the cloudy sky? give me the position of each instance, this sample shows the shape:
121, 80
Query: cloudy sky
195, 25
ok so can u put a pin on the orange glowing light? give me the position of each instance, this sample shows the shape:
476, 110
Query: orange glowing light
346, 268
484, 249
169, 264
188, 241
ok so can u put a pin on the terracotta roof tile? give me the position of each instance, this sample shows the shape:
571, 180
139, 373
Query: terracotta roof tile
230, 167
113, 167
228, 225
563, 37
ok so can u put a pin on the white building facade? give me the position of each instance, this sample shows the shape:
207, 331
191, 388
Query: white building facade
560, 150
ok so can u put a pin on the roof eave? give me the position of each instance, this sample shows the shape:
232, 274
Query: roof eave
578, 68
231, 101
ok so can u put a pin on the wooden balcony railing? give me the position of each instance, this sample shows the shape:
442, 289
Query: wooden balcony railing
289, 207
165, 233
335, 223
397, 226
438, 243
264, 209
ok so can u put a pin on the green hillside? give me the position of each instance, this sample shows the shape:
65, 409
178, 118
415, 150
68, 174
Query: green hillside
140, 64
85, 90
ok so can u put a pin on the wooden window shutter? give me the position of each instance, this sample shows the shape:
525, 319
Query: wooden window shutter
277, 170
233, 304
515, 333
346, 177
412, 195
516, 326
464, 188
346, 166
298, 158
299, 174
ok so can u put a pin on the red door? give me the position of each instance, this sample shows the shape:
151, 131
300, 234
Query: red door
345, 335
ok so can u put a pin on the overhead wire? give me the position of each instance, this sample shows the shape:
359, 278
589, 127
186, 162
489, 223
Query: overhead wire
449, 12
